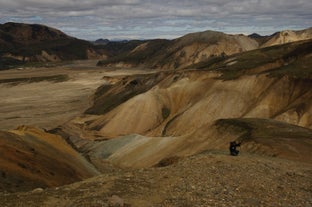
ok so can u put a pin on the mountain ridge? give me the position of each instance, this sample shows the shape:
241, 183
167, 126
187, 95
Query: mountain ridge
22, 43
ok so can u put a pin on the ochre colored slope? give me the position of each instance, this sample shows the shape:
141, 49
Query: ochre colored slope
32, 158
196, 100
177, 117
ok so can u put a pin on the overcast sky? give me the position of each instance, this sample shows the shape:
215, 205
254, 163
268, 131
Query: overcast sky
145, 19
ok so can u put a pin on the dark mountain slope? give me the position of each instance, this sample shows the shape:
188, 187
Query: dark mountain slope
24, 43
29, 33
292, 60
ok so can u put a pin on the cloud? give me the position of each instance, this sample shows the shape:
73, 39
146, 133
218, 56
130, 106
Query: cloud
159, 18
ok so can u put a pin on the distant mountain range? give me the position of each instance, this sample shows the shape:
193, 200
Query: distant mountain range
28, 43
101, 42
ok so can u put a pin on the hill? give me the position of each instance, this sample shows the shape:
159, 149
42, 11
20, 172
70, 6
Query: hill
177, 110
31, 158
26, 43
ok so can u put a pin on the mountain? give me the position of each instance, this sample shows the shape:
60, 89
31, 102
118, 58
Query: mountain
23, 43
197, 47
29, 43
259, 38
101, 41
184, 51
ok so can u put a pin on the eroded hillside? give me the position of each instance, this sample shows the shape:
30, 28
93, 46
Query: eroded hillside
137, 121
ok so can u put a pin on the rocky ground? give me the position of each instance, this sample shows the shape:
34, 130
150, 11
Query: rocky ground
207, 179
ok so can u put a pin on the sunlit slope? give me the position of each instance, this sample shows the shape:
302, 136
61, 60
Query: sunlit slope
288, 36
268, 83
32, 158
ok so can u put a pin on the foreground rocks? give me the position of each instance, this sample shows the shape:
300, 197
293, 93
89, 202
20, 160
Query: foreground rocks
207, 179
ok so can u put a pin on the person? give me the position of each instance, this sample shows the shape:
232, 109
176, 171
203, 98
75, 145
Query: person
233, 150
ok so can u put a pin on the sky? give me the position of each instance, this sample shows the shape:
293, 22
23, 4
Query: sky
149, 19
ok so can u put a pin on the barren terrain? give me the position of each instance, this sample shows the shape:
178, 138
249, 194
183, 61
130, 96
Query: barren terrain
74, 134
